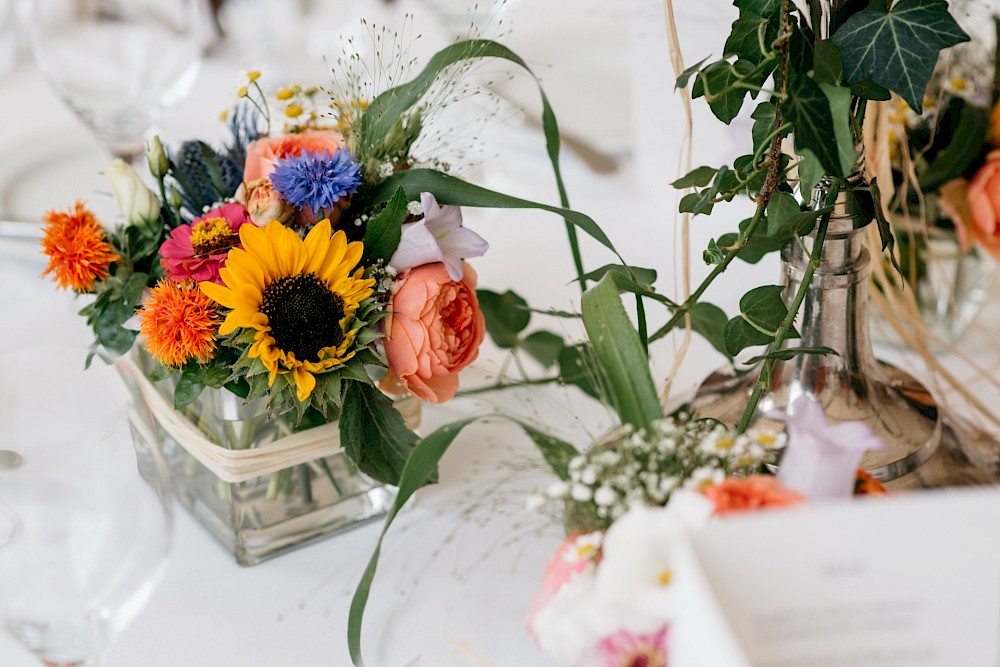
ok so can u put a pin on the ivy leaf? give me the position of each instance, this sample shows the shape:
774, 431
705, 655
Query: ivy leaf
761, 312
808, 109
697, 178
839, 98
189, 387
829, 62
385, 230
717, 84
965, 142
642, 276
763, 126
743, 40
709, 321
810, 172
544, 347
768, 8
374, 434
682, 80
506, 316
897, 48
713, 253
884, 229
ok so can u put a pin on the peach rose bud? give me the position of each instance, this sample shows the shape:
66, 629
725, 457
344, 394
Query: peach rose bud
263, 203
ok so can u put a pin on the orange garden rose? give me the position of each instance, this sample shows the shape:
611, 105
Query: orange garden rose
984, 201
754, 492
434, 332
263, 154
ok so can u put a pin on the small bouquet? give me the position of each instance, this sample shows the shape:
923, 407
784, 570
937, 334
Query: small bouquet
315, 267
611, 589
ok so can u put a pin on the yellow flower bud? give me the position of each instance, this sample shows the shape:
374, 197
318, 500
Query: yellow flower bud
253, 75
242, 92
224, 115
285, 94
293, 110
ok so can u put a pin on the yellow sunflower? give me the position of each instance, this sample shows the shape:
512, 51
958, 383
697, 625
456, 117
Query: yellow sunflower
299, 296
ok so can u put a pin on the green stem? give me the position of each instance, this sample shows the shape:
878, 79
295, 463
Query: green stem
716, 271
764, 379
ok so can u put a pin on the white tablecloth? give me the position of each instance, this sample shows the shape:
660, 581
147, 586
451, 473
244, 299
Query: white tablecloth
460, 567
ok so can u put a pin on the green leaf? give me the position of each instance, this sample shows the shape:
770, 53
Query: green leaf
132, 291
385, 229
810, 172
682, 80
710, 321
189, 387
697, 202
641, 275
884, 228
699, 178
768, 8
808, 110
578, 368
792, 352
373, 433
763, 126
544, 347
965, 143
626, 284
158, 372
785, 219
744, 41
621, 354
713, 255
506, 316
871, 91
717, 84
829, 62
761, 313
839, 98
557, 453
898, 48
450, 190
739, 334
108, 327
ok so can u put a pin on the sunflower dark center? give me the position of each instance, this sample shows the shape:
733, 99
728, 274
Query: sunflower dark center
304, 315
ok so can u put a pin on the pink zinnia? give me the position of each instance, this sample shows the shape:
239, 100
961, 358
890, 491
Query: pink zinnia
197, 251
624, 649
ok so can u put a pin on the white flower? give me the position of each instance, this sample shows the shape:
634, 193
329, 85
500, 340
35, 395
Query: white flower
636, 579
585, 547
438, 237
387, 169
581, 493
572, 621
557, 489
589, 475
137, 203
704, 476
534, 502
605, 496
821, 459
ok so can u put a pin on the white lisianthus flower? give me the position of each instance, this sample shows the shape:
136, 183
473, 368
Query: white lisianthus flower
438, 237
573, 620
637, 577
137, 203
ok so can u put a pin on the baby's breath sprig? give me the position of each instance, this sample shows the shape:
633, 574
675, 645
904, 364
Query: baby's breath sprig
647, 467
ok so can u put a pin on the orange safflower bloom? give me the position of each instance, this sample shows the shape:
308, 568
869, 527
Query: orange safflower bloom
77, 247
752, 493
180, 323
866, 485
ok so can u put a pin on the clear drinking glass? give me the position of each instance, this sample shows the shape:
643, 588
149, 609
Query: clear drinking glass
85, 513
117, 63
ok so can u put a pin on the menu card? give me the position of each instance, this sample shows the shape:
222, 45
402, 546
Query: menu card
906, 581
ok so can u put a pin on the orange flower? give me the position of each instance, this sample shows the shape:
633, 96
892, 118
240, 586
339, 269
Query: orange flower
866, 485
754, 492
77, 247
180, 323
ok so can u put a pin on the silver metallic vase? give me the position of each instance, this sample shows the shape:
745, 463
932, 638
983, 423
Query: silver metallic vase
851, 385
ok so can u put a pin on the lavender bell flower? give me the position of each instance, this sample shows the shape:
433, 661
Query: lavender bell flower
438, 237
821, 459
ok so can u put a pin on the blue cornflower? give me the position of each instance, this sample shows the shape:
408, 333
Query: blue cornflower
316, 181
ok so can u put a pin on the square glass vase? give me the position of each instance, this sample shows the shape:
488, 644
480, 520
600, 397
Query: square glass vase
268, 514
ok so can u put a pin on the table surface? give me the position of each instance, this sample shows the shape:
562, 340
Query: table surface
462, 563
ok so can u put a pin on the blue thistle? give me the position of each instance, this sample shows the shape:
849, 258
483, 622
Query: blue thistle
316, 181
204, 175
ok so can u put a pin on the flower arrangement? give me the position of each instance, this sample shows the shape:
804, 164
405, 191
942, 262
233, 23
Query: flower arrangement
610, 591
314, 266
